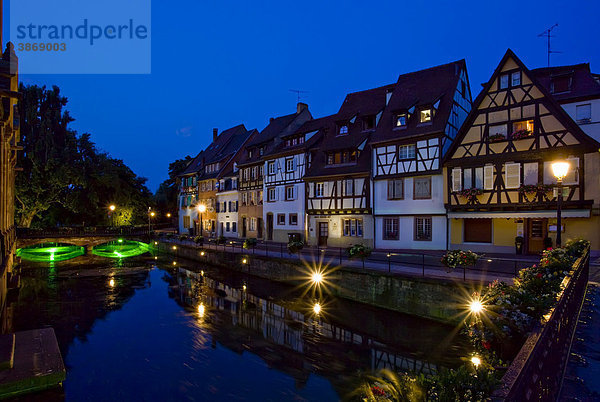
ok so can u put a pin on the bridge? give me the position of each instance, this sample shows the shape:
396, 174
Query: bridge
87, 237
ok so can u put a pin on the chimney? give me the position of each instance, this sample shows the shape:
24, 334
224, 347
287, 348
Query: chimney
300, 107
215, 134
271, 119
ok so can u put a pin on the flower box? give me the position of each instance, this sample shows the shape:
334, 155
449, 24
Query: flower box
497, 137
470, 194
521, 134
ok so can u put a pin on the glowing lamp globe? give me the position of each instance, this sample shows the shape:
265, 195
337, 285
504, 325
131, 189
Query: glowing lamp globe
475, 306
317, 308
560, 169
476, 361
202, 208
112, 207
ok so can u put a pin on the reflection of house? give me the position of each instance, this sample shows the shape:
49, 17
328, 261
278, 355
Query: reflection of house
284, 191
299, 343
499, 177
423, 114
251, 170
200, 181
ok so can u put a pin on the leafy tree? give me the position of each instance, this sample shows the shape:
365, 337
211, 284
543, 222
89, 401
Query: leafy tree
166, 195
65, 178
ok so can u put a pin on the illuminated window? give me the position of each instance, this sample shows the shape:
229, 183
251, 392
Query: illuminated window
343, 130
353, 227
525, 125
401, 120
425, 115
252, 224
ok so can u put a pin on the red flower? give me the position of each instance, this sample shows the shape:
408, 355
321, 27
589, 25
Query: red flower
486, 344
539, 275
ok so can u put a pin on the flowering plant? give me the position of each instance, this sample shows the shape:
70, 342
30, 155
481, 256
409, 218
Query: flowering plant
359, 251
455, 258
496, 137
470, 193
295, 246
520, 134
539, 188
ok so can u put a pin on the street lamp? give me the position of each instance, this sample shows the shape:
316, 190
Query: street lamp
150, 215
560, 170
201, 210
112, 208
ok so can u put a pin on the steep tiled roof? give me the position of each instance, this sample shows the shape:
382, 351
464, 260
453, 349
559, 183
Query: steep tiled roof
584, 84
270, 136
356, 107
316, 126
220, 150
419, 89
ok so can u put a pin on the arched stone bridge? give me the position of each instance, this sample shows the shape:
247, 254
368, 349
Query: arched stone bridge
27, 238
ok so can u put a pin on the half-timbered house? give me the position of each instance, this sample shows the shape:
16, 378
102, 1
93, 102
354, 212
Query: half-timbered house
338, 186
284, 193
500, 184
252, 167
202, 177
424, 112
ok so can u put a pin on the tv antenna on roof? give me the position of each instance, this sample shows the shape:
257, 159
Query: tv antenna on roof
547, 34
298, 92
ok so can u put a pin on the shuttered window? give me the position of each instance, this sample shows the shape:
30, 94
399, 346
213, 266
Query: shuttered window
456, 179
488, 177
477, 230
422, 188
512, 175
572, 176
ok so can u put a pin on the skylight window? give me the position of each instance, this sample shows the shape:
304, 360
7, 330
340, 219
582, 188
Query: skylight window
401, 120
343, 130
426, 115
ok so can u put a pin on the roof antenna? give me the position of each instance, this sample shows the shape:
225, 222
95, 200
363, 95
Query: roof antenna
547, 34
298, 92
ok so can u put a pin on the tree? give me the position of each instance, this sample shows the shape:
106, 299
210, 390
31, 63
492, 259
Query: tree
65, 176
166, 195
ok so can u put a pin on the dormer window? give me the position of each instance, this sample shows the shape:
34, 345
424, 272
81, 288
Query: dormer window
401, 120
342, 157
261, 151
250, 154
426, 115
343, 130
561, 84
369, 123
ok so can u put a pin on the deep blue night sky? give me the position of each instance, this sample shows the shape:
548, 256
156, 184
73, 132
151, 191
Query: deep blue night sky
217, 64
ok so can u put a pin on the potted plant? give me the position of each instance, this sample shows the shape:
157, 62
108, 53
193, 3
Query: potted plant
519, 241
459, 258
521, 134
496, 137
295, 246
199, 240
470, 193
548, 242
250, 243
359, 251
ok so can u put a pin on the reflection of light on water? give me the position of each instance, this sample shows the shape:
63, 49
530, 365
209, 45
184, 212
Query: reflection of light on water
201, 310
317, 308
111, 283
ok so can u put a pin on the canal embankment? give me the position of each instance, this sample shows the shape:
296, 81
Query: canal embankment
437, 299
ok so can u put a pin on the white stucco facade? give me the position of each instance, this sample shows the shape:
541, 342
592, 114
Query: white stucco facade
227, 215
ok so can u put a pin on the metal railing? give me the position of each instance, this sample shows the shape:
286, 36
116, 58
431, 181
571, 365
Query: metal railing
82, 231
538, 370
418, 263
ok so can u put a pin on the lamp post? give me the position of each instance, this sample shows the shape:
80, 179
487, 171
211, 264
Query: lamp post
201, 210
150, 215
112, 208
560, 170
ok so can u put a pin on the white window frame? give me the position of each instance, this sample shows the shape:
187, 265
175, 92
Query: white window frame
319, 190
512, 171
488, 177
406, 152
271, 167
515, 76
289, 165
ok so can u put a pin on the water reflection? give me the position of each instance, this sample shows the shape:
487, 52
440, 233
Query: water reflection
125, 336
301, 336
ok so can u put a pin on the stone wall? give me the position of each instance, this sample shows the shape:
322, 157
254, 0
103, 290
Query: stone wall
431, 298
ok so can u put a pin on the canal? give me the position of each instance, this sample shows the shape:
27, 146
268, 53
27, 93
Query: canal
146, 329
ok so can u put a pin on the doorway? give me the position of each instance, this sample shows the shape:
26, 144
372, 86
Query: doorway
537, 231
269, 226
244, 226
323, 233
259, 224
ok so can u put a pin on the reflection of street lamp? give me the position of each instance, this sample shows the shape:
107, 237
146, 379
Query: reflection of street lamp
201, 210
560, 170
168, 214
